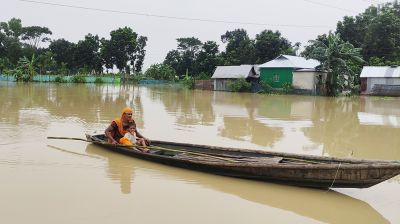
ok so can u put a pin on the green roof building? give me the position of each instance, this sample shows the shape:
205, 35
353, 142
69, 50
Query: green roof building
298, 72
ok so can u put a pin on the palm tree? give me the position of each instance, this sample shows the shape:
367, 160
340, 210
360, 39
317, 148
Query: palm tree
336, 57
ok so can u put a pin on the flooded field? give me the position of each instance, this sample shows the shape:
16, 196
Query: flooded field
64, 181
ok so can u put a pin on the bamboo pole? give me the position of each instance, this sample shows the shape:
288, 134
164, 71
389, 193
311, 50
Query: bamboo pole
150, 147
182, 151
185, 151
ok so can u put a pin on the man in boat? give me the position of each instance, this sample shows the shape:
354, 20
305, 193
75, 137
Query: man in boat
119, 127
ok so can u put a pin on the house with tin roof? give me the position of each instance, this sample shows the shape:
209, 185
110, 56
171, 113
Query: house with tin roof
380, 80
225, 74
298, 72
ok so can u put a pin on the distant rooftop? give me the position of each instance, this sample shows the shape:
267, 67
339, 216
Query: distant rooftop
380, 72
234, 72
290, 61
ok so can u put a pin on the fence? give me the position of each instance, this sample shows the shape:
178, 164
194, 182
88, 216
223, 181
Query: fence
7, 78
386, 90
204, 84
153, 82
52, 78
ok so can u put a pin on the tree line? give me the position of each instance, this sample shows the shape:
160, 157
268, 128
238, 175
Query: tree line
20, 46
370, 38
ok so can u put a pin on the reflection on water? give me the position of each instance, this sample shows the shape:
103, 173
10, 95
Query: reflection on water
88, 102
365, 127
360, 127
337, 126
188, 107
327, 207
118, 169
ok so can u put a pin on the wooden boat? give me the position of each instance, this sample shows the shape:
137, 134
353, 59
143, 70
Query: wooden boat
284, 168
319, 205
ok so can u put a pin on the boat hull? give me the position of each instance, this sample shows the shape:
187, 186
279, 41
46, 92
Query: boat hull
283, 168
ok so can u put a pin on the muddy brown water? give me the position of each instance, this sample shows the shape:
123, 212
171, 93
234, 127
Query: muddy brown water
61, 181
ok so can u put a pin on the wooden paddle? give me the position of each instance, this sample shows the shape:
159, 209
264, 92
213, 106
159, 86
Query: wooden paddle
151, 147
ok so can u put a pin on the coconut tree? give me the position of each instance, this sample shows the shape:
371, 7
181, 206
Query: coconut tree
339, 59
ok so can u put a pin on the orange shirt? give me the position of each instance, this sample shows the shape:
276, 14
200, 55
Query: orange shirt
118, 129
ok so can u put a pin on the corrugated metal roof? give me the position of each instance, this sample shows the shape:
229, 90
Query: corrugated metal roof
306, 70
289, 61
234, 72
380, 72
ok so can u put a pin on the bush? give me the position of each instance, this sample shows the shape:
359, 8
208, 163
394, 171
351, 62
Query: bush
78, 79
287, 87
265, 87
239, 85
98, 80
85, 70
137, 76
161, 72
188, 82
203, 76
60, 79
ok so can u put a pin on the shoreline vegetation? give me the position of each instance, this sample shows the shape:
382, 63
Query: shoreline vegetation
371, 38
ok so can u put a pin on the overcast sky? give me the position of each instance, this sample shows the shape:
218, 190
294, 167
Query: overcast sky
297, 20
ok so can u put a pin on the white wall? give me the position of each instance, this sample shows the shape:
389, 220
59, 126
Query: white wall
304, 80
385, 81
221, 84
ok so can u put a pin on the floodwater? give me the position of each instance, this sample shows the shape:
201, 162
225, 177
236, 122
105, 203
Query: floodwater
64, 181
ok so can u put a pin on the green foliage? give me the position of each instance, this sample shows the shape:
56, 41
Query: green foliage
140, 54
188, 81
33, 35
45, 62
63, 70
269, 45
184, 59
376, 61
60, 79
265, 87
84, 70
203, 76
239, 85
4, 64
98, 80
78, 79
207, 59
25, 69
12, 28
287, 87
63, 53
87, 56
240, 48
10, 45
161, 72
376, 31
137, 76
18, 74
195, 57
123, 45
125, 50
340, 60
